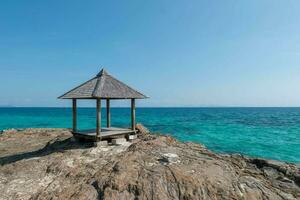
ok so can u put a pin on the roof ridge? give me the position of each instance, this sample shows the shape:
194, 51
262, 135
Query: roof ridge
102, 72
99, 82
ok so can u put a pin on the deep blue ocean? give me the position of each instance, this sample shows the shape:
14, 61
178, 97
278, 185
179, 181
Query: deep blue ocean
272, 133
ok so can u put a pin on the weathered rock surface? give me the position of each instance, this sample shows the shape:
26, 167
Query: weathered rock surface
49, 164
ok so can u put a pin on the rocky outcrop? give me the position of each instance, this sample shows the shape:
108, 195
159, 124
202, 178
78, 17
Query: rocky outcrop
142, 130
49, 164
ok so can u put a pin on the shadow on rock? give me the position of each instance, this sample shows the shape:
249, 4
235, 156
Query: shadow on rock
52, 146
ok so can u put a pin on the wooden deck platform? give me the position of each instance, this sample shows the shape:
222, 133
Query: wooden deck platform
106, 133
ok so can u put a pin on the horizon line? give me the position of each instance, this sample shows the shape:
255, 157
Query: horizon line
154, 107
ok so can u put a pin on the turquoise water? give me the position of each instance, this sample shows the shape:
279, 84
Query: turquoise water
263, 132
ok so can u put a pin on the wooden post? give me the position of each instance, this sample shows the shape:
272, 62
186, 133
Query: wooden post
133, 114
74, 106
98, 120
107, 113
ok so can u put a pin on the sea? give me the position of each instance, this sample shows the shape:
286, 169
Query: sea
272, 133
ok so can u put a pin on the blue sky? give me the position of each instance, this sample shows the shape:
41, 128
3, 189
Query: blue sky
180, 53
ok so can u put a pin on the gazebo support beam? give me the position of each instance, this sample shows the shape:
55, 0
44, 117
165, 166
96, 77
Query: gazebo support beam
74, 106
133, 114
98, 120
107, 113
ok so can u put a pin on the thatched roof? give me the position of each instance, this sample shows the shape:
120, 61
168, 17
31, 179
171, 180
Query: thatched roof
103, 86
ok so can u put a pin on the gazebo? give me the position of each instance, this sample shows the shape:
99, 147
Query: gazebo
102, 87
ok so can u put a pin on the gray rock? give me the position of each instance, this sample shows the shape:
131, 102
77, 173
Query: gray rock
132, 137
271, 172
170, 158
46, 164
119, 141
